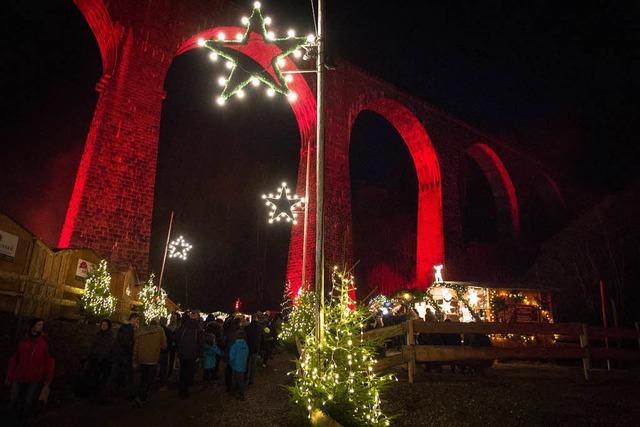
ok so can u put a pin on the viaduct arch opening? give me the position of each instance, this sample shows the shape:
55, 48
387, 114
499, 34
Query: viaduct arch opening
429, 237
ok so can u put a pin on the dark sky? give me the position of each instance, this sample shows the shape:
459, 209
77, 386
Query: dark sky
557, 78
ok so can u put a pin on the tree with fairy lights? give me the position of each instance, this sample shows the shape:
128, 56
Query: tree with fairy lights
97, 300
300, 315
153, 301
338, 375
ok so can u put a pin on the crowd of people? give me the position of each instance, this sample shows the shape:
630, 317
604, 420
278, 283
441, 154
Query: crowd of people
130, 361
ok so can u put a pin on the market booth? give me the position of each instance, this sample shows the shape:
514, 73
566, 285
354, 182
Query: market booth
469, 302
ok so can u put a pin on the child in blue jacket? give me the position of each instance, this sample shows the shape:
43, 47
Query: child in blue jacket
209, 353
238, 356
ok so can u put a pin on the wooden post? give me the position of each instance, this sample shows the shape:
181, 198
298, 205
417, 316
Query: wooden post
411, 341
604, 319
586, 357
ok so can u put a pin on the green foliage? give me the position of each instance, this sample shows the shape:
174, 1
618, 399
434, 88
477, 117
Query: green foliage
338, 375
153, 301
97, 300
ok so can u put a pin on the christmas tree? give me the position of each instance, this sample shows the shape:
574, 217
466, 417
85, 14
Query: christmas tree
153, 301
337, 376
300, 314
97, 300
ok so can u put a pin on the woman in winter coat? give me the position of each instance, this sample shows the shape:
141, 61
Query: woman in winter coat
30, 370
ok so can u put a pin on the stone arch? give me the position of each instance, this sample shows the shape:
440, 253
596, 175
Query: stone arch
107, 33
502, 187
429, 233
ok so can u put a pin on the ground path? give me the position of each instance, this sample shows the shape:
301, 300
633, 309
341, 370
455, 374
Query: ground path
266, 404
508, 395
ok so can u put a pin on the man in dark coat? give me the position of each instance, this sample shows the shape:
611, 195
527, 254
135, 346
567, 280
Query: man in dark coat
121, 366
100, 357
189, 341
254, 338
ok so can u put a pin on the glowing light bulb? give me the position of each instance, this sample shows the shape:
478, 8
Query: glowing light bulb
220, 101
240, 94
200, 42
267, 20
291, 32
221, 36
271, 93
281, 62
288, 78
255, 82
213, 56
239, 37
297, 53
229, 64
311, 38
292, 96
222, 81
256, 5
245, 20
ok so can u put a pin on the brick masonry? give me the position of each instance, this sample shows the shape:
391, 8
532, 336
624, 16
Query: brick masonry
112, 200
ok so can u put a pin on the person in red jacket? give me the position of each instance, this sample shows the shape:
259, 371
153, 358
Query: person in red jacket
30, 369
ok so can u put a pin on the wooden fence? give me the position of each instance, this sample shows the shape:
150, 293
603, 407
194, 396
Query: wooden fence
580, 341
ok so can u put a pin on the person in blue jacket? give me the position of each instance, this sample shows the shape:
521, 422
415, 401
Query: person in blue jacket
238, 356
209, 359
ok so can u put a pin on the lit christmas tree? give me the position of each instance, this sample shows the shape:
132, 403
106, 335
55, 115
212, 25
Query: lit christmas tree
153, 301
338, 376
300, 314
97, 299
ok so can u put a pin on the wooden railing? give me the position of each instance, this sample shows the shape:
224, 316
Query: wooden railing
583, 336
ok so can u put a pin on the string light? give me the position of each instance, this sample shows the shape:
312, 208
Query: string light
97, 299
242, 69
153, 300
283, 205
341, 370
179, 248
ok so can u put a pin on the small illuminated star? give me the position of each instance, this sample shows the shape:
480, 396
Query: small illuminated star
283, 205
179, 248
237, 49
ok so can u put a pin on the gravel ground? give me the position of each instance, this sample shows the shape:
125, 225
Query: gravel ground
507, 395
266, 404
515, 395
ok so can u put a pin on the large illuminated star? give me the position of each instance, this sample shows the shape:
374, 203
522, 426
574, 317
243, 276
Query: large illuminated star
283, 205
243, 69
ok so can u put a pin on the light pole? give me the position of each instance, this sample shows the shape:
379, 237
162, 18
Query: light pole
319, 270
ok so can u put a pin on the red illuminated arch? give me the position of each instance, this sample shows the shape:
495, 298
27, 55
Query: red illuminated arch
304, 108
429, 235
501, 184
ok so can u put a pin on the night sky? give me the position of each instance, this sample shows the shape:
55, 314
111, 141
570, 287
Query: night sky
559, 80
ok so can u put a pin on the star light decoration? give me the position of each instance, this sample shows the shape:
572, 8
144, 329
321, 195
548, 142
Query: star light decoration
283, 205
243, 69
179, 248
